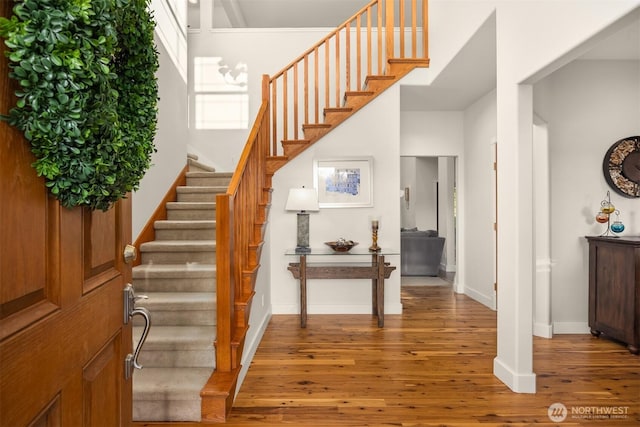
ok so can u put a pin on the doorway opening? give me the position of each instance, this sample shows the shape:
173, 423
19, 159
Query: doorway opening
428, 220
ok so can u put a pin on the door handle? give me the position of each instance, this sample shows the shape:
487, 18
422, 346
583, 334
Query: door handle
129, 308
129, 254
130, 299
131, 361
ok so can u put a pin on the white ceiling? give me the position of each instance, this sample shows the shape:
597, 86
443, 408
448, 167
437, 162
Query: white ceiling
283, 13
470, 75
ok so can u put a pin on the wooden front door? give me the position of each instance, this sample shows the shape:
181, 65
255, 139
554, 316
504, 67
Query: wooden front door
63, 340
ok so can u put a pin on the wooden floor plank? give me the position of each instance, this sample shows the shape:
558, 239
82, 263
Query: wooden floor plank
430, 366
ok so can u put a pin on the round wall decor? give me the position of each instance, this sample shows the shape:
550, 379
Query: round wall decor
621, 166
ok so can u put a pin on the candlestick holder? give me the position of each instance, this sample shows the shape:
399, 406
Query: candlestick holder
374, 236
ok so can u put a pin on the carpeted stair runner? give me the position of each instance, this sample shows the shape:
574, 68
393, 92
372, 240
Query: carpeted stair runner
177, 273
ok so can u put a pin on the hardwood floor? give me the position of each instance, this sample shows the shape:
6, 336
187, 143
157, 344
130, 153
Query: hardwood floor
430, 366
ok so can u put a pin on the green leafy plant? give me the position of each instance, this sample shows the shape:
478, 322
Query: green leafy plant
88, 94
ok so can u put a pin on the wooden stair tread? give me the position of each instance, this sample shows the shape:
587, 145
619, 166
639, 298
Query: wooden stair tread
338, 109
381, 77
359, 93
296, 141
417, 62
316, 126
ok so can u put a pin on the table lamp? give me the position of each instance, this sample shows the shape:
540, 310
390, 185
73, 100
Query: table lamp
303, 200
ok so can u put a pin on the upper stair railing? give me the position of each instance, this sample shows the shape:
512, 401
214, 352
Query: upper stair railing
341, 62
382, 33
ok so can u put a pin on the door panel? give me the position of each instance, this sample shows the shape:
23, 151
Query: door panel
29, 228
62, 275
99, 248
50, 417
83, 339
101, 388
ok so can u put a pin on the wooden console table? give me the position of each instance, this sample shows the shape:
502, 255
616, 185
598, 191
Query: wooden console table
614, 289
377, 270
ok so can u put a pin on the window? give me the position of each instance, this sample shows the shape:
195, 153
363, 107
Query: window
221, 97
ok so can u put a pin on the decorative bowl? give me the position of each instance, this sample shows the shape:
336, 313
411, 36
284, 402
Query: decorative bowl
341, 245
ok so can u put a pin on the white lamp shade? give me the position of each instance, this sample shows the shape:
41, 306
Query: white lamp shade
302, 199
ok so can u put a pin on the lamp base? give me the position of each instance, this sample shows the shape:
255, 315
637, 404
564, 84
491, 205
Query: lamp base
303, 233
303, 249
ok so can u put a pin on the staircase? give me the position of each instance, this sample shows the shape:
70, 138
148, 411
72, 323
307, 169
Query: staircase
178, 274
189, 295
351, 102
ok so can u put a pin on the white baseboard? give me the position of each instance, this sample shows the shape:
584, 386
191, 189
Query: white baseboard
448, 268
571, 328
480, 297
542, 330
250, 349
285, 309
520, 383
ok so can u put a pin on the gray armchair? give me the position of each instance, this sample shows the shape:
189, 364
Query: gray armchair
420, 252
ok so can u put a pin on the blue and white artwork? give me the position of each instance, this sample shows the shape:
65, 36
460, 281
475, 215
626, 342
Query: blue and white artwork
343, 181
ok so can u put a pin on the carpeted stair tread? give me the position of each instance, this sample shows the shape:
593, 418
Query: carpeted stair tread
190, 205
201, 167
169, 383
178, 246
187, 270
201, 189
184, 224
204, 174
177, 337
177, 301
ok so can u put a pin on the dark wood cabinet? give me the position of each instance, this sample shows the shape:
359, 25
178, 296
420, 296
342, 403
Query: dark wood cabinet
614, 289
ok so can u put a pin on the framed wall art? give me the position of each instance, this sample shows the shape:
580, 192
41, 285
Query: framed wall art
344, 183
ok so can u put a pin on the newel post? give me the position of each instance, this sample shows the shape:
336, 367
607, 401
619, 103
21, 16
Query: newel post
224, 283
389, 28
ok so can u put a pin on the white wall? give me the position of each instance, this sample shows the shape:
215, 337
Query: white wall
426, 194
260, 310
588, 106
479, 200
407, 180
420, 175
447, 226
265, 51
373, 131
170, 141
171, 30
432, 133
